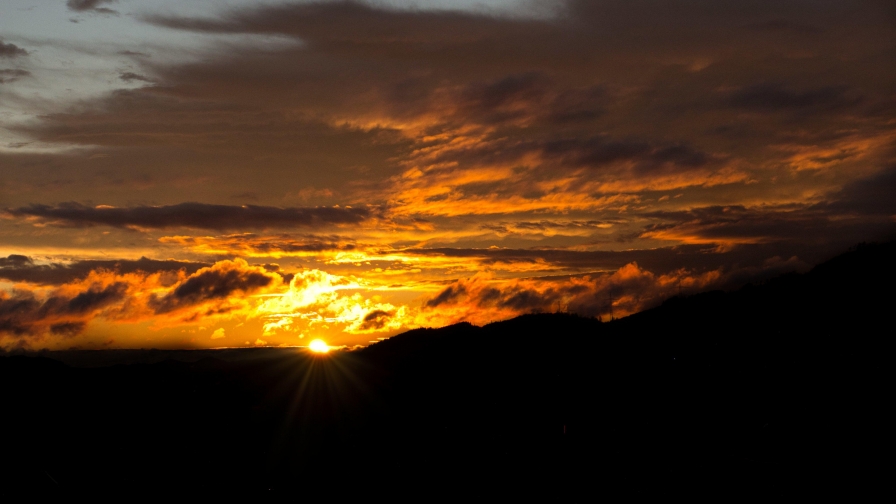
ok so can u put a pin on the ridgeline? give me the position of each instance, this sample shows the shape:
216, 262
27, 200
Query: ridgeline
775, 390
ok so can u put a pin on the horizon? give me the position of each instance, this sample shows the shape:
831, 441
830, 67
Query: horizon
262, 175
345, 348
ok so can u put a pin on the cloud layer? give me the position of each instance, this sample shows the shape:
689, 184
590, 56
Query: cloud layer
596, 155
193, 215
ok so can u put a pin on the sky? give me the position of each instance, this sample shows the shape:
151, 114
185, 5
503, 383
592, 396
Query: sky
222, 174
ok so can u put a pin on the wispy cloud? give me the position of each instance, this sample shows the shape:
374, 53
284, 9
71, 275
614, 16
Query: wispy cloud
10, 50
91, 6
192, 215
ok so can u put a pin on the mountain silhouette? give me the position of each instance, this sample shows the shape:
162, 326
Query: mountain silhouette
776, 390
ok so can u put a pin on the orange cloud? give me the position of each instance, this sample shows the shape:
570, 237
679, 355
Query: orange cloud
31, 312
254, 245
316, 299
483, 298
214, 285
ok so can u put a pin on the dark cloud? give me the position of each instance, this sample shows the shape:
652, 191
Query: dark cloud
523, 300
658, 259
350, 24
251, 243
131, 76
832, 225
577, 105
193, 215
22, 314
68, 328
627, 290
12, 74
602, 151
775, 96
503, 100
737, 223
19, 268
872, 197
639, 158
15, 261
87, 301
375, 319
17, 312
587, 295
213, 284
494, 95
747, 260
543, 225
91, 6
70, 308
595, 151
532, 96
10, 50
153, 134
448, 295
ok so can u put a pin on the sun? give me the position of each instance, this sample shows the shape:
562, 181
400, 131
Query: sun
318, 346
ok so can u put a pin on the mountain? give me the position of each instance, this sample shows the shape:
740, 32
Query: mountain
778, 390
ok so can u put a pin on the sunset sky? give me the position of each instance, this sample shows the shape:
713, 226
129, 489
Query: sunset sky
242, 173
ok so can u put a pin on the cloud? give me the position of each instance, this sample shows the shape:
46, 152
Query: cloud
629, 156
166, 298
192, 215
10, 50
774, 96
218, 333
225, 290
860, 211
91, 6
134, 53
688, 135
870, 197
547, 227
216, 283
256, 245
375, 320
657, 259
93, 298
22, 314
482, 298
597, 152
525, 98
131, 76
20, 268
15, 260
448, 295
550, 115
348, 22
727, 225
10, 75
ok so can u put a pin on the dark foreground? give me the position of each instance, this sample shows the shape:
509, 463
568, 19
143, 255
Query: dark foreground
778, 390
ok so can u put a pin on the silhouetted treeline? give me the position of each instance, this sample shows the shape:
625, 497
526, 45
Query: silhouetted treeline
776, 390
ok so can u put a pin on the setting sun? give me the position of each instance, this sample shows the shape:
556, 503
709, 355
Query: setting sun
318, 346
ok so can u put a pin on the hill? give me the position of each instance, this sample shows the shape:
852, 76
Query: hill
774, 390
